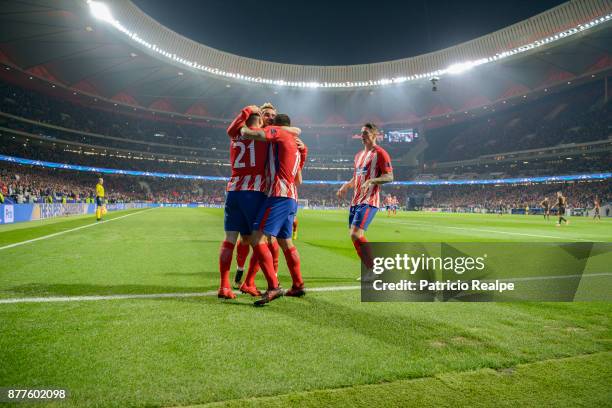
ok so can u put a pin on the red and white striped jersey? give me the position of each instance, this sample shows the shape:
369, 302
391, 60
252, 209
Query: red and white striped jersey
247, 157
283, 162
369, 164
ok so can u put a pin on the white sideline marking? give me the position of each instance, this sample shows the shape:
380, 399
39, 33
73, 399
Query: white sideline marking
494, 231
146, 296
51, 299
70, 230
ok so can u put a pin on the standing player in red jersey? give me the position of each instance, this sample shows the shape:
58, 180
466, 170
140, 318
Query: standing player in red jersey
387, 202
372, 168
597, 208
245, 192
275, 218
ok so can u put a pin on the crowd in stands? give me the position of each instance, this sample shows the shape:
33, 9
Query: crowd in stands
566, 164
492, 197
579, 164
61, 135
576, 116
195, 139
111, 159
474, 197
25, 184
42, 108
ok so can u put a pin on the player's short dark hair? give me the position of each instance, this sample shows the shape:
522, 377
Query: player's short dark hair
371, 126
252, 120
282, 119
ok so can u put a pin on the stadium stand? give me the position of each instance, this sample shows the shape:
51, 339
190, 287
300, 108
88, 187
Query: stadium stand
576, 116
24, 184
564, 133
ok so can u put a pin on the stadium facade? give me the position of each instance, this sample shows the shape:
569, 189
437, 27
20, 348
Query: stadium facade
147, 66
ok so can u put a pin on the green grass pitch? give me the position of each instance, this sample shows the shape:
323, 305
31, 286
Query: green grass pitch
325, 349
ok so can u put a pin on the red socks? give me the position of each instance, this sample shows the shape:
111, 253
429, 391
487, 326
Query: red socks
267, 265
264, 256
293, 263
364, 251
242, 251
274, 250
225, 262
253, 269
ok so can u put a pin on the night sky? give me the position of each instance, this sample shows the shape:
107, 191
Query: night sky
327, 32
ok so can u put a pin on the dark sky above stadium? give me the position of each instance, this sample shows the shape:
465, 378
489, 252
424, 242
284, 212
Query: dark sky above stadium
327, 32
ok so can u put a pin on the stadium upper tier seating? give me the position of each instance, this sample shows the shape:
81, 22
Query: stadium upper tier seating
576, 116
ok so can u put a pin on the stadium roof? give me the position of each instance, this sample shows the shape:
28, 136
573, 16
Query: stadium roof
127, 57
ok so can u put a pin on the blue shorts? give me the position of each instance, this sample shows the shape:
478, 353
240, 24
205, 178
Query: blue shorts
241, 208
362, 215
276, 217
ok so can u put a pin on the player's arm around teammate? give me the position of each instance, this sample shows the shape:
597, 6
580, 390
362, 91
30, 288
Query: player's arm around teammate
260, 135
233, 130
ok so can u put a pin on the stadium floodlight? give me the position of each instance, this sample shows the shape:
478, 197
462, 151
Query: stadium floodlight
100, 11
460, 67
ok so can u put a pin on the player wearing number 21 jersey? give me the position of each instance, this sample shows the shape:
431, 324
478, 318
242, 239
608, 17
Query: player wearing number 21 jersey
245, 190
247, 157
